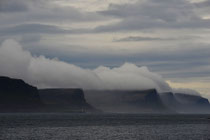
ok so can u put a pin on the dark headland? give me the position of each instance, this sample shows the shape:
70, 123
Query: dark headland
18, 96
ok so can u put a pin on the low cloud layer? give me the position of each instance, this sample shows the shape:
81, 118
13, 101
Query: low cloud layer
155, 33
149, 14
43, 72
186, 91
146, 38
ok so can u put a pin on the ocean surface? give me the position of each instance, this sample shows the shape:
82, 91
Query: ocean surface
52, 126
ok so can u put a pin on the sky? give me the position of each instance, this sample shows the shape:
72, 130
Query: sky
167, 37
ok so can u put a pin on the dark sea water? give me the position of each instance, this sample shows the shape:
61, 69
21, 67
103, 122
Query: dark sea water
103, 127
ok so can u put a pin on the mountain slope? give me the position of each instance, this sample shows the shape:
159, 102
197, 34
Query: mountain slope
127, 101
185, 103
65, 100
16, 95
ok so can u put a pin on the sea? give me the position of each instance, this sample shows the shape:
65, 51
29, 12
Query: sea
84, 126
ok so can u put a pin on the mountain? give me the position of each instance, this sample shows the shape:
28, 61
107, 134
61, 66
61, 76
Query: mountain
128, 101
16, 95
170, 101
193, 103
65, 100
185, 103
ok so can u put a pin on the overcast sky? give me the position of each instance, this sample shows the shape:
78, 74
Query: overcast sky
170, 37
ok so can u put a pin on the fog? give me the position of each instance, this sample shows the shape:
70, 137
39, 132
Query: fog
186, 91
104, 87
52, 73
44, 72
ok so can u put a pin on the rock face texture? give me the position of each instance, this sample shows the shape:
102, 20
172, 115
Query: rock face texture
185, 103
65, 100
16, 95
130, 101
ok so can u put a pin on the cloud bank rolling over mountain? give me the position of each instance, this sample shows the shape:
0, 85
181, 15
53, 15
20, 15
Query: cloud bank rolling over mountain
44, 72
170, 37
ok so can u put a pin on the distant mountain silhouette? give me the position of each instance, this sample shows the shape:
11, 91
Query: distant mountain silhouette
186, 103
146, 101
130, 101
16, 95
65, 100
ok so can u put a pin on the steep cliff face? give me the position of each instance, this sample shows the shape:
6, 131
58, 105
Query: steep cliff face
191, 99
193, 103
130, 101
65, 100
169, 100
185, 103
16, 95
143, 98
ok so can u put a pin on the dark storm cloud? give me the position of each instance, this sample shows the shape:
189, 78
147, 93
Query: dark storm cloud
13, 6
43, 12
40, 17
153, 14
137, 38
145, 38
30, 38
32, 28
137, 24
37, 29
31, 21
203, 4
157, 9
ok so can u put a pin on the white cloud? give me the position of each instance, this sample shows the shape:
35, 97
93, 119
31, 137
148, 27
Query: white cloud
91, 5
13, 59
64, 29
186, 91
44, 72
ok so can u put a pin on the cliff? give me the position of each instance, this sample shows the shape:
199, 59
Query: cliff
126, 101
65, 100
16, 95
186, 103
